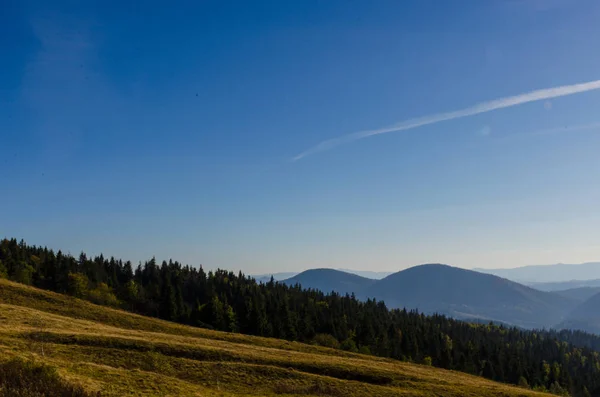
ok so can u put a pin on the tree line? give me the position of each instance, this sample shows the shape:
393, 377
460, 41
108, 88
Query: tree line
563, 362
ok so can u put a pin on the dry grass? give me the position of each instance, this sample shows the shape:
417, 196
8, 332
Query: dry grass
117, 353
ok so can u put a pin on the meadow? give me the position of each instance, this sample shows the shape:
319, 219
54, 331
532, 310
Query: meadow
57, 345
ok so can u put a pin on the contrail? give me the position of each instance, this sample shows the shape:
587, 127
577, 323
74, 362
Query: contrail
537, 95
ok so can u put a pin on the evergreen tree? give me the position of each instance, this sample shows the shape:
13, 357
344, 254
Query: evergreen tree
559, 361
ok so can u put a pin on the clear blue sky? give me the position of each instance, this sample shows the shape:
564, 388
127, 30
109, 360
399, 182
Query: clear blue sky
169, 130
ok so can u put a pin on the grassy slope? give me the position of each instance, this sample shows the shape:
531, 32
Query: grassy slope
119, 353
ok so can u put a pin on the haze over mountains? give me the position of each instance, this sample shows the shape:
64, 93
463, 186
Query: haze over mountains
577, 282
580, 294
548, 273
555, 277
547, 296
585, 317
456, 292
565, 285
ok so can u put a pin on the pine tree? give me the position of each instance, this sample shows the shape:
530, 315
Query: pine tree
556, 360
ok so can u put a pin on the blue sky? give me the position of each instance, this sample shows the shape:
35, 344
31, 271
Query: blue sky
140, 130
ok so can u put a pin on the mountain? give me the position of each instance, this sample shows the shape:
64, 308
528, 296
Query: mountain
467, 294
265, 278
367, 273
565, 285
581, 294
456, 292
548, 273
328, 280
585, 317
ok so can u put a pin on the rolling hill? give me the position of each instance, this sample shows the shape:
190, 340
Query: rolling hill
548, 273
585, 317
265, 278
581, 294
459, 293
467, 294
565, 285
53, 340
286, 275
367, 273
328, 280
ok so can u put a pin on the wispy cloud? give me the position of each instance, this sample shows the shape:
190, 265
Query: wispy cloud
484, 107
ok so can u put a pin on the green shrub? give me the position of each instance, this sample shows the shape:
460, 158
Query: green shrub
364, 350
103, 295
23, 273
349, 345
78, 284
326, 340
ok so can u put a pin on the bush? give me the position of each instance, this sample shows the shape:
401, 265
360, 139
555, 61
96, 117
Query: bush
349, 345
20, 378
77, 284
364, 350
103, 295
523, 382
326, 340
23, 273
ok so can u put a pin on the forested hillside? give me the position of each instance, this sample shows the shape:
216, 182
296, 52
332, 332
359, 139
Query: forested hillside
54, 345
230, 302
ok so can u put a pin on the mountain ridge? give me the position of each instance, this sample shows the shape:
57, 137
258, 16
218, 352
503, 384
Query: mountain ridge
327, 280
559, 272
280, 276
444, 289
584, 317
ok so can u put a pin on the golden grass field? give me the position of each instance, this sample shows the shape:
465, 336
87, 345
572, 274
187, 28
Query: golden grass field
120, 354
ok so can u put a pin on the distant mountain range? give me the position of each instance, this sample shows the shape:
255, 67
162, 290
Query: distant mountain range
580, 294
456, 292
548, 273
556, 277
545, 296
565, 285
585, 317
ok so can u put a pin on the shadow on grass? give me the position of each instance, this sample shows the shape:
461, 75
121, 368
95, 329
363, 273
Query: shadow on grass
179, 351
20, 378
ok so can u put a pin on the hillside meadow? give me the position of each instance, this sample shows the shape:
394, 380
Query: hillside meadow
83, 349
